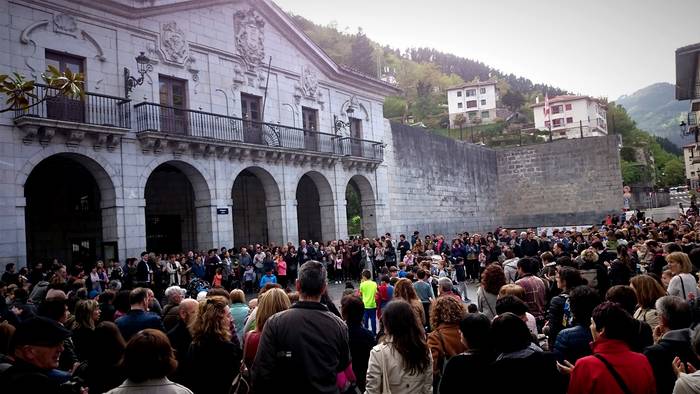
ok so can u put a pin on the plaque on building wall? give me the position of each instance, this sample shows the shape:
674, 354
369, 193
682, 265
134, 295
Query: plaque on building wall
222, 211
173, 43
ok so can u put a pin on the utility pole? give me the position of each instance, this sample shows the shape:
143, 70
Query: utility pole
580, 125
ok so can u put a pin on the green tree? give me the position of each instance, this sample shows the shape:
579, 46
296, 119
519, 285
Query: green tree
362, 57
460, 120
631, 172
513, 100
673, 173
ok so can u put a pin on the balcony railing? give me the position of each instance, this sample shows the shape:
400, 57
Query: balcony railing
93, 108
151, 117
692, 119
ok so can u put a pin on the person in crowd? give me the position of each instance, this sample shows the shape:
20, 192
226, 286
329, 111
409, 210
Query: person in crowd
475, 332
424, 291
627, 299
573, 342
404, 290
87, 315
513, 304
613, 367
622, 268
56, 309
179, 336
174, 295
559, 313
648, 291
36, 349
309, 363
361, 340
105, 370
239, 311
273, 301
385, 292
368, 292
687, 375
517, 354
492, 280
444, 341
138, 317
107, 309
535, 288
593, 270
148, 360
683, 283
447, 289
673, 339
402, 362
211, 340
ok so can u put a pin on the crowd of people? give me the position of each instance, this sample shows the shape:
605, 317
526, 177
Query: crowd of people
608, 309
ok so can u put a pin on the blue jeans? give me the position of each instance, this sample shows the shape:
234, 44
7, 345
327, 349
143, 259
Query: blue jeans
370, 314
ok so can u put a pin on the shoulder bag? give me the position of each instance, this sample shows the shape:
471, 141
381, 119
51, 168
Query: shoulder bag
614, 374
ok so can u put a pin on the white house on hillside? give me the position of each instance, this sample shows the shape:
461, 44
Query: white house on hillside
572, 117
473, 100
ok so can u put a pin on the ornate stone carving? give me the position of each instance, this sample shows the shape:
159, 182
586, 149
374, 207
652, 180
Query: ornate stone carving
173, 44
249, 36
65, 24
309, 82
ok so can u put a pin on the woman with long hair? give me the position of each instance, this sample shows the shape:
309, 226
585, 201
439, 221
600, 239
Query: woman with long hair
213, 360
87, 314
404, 290
648, 291
402, 362
104, 370
444, 340
622, 268
272, 301
492, 280
558, 315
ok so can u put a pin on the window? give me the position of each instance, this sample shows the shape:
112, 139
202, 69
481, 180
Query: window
557, 122
484, 114
471, 104
459, 93
567, 107
309, 119
482, 91
62, 107
471, 92
459, 105
546, 123
569, 120
174, 100
556, 109
471, 115
356, 133
483, 102
250, 112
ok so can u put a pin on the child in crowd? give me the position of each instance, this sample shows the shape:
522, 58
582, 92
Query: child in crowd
339, 274
248, 278
402, 270
269, 277
281, 270
218, 278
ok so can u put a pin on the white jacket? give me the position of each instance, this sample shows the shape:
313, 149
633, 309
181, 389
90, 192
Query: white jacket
385, 359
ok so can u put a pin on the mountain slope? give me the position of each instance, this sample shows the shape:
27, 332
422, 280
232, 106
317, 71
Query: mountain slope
656, 110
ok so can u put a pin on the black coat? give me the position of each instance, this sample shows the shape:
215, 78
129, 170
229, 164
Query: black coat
211, 366
673, 344
361, 343
472, 364
536, 373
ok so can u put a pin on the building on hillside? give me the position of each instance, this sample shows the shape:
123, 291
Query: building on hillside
572, 117
691, 159
475, 101
204, 124
688, 86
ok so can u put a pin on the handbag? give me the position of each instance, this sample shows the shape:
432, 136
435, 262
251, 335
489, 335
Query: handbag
240, 384
615, 375
385, 374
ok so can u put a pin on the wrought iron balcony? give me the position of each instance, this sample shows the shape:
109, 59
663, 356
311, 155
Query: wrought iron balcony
205, 127
106, 118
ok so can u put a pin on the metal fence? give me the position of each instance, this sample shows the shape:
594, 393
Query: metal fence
151, 117
92, 108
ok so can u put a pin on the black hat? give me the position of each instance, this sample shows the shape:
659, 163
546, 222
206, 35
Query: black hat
39, 331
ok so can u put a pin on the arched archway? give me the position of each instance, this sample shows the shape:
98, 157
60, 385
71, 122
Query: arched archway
315, 208
178, 209
257, 208
69, 213
361, 208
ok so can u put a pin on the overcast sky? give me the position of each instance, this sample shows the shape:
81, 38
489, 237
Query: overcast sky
594, 47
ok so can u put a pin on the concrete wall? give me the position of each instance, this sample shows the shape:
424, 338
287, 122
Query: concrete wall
565, 182
439, 185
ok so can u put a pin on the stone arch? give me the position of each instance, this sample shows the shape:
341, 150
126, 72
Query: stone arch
368, 204
178, 206
62, 231
315, 207
260, 221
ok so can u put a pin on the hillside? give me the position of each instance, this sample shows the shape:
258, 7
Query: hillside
656, 110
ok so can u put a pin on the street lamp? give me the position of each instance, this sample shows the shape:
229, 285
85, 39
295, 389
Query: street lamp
339, 124
143, 66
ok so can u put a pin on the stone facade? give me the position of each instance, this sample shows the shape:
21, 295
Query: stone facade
215, 186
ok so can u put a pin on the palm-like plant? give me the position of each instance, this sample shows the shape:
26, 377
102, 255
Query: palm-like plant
20, 91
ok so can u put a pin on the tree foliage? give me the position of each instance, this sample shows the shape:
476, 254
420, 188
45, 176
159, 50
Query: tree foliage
362, 57
20, 91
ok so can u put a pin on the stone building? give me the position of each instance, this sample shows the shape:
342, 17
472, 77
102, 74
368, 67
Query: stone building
216, 123
242, 130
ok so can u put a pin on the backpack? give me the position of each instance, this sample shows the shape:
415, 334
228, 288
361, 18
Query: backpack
591, 276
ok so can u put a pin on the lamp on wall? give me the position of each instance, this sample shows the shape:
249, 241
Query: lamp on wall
339, 124
144, 66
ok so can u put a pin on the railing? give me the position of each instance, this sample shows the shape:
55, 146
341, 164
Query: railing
151, 117
93, 108
692, 119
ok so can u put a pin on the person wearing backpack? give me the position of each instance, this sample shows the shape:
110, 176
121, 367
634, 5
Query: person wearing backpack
612, 368
595, 273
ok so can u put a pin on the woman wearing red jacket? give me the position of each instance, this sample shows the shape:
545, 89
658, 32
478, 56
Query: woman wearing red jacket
613, 368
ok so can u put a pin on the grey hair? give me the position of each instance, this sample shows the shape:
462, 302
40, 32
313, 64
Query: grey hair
312, 278
673, 311
172, 290
445, 284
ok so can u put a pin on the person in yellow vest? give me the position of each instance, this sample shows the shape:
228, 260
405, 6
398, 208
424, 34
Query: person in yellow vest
368, 291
